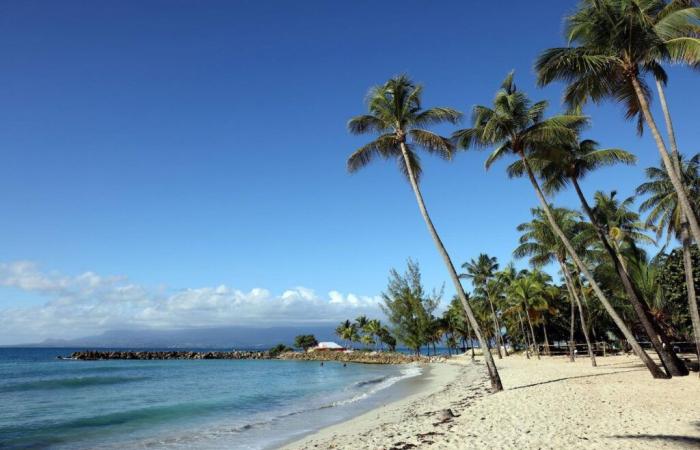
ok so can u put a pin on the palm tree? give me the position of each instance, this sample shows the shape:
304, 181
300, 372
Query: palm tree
543, 247
481, 271
613, 46
517, 126
658, 17
373, 328
395, 113
361, 322
624, 230
568, 164
528, 291
665, 215
347, 331
461, 324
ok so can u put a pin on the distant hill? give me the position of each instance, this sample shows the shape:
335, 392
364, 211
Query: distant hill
221, 337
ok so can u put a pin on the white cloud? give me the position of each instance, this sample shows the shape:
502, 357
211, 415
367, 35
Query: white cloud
89, 303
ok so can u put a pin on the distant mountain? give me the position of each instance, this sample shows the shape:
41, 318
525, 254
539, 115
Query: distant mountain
221, 337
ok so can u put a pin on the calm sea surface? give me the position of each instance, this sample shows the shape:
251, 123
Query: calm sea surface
202, 404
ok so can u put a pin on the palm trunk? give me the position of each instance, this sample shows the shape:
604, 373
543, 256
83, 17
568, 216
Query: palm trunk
471, 341
666, 158
648, 362
496, 328
690, 285
572, 289
496, 384
685, 238
546, 339
532, 333
658, 338
572, 341
527, 341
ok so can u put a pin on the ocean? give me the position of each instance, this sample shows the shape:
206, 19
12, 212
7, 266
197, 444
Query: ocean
181, 404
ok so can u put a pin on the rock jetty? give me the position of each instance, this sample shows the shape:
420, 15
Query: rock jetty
350, 357
361, 357
94, 355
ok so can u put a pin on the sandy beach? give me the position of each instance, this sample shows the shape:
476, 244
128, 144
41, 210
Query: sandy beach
547, 404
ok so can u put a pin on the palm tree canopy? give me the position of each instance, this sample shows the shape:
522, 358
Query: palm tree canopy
612, 41
620, 222
530, 291
480, 270
516, 125
560, 164
662, 199
397, 117
541, 244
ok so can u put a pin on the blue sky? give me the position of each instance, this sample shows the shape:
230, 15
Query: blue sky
181, 145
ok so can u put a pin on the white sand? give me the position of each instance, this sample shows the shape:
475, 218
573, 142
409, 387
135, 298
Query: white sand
547, 404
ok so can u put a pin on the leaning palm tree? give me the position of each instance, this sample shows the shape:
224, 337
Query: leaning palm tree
613, 45
481, 272
517, 126
671, 20
665, 215
568, 165
542, 246
396, 115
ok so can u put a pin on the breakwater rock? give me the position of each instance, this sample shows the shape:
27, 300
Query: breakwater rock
361, 357
94, 355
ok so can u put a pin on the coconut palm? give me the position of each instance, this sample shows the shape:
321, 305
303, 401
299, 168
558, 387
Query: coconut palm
517, 126
361, 322
665, 215
613, 45
684, 23
481, 272
527, 290
396, 115
373, 328
624, 230
461, 324
622, 225
542, 246
567, 165
347, 331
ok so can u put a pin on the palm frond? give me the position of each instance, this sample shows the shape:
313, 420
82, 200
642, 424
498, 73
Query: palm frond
384, 146
437, 115
608, 157
433, 143
497, 154
366, 123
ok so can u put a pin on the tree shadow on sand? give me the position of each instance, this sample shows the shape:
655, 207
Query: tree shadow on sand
690, 441
573, 378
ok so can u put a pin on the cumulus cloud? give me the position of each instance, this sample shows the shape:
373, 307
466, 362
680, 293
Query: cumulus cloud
89, 303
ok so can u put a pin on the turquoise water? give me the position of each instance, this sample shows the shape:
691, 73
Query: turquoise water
202, 404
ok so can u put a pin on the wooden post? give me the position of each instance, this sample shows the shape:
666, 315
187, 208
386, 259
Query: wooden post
605, 345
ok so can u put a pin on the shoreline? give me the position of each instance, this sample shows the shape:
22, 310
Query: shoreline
547, 404
436, 379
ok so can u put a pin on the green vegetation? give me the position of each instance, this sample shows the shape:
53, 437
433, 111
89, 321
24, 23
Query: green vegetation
410, 309
612, 290
305, 341
279, 348
371, 333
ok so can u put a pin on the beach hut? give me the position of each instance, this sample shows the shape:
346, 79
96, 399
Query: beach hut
326, 347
